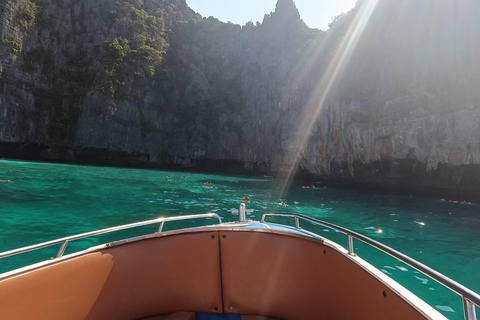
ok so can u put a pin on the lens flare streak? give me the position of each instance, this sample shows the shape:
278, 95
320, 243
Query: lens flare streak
334, 70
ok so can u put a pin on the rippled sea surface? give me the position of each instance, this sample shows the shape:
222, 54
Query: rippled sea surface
46, 201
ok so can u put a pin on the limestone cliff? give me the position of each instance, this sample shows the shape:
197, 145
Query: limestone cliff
389, 102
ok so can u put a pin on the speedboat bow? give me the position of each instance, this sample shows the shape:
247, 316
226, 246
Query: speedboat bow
243, 270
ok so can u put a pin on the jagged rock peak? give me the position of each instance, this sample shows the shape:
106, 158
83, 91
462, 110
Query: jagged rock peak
286, 9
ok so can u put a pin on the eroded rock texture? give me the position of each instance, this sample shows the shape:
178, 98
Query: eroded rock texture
393, 102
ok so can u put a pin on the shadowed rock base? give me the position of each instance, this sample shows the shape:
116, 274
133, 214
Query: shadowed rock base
404, 176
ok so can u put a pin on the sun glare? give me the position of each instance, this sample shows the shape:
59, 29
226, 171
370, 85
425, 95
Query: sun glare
320, 95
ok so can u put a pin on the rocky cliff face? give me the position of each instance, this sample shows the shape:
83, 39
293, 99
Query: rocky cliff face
393, 102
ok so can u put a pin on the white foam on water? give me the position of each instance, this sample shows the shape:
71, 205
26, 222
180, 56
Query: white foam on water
420, 223
445, 308
386, 272
296, 202
395, 220
369, 228
388, 267
424, 281
190, 202
432, 289
326, 230
402, 268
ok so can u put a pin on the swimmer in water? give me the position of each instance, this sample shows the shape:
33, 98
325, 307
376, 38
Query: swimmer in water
7, 181
283, 204
247, 199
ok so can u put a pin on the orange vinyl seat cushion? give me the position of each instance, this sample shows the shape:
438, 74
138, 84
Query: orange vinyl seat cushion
131, 281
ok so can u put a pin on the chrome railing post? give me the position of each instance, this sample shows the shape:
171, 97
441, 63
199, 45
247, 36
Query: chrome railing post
469, 310
351, 248
242, 213
61, 251
160, 227
297, 223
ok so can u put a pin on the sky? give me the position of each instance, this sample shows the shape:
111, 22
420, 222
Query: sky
316, 13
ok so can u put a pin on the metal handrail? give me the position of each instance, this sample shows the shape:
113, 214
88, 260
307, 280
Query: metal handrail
66, 240
470, 298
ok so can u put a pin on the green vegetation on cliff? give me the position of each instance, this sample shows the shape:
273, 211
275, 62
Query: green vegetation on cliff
131, 58
26, 12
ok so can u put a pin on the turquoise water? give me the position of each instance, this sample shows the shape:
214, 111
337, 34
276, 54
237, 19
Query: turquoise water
46, 201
